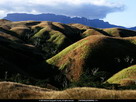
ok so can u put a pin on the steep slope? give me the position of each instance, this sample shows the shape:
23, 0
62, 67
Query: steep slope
124, 77
57, 52
96, 51
43, 34
14, 54
21, 30
18, 55
4, 21
119, 32
69, 31
87, 31
55, 36
80, 26
26, 60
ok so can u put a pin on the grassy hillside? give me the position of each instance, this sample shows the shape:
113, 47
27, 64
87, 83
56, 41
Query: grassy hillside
44, 35
80, 26
25, 59
16, 56
63, 54
124, 77
72, 58
49, 38
119, 32
87, 31
102, 52
11, 90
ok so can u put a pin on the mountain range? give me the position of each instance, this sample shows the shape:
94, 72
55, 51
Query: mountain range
62, 19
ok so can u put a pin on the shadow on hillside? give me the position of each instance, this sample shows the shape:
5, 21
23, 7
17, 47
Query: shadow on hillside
71, 33
8, 32
16, 58
112, 56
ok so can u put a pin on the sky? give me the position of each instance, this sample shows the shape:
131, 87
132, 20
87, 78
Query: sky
118, 12
127, 17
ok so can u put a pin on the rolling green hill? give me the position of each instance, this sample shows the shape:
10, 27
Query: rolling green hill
102, 52
124, 77
63, 54
120, 32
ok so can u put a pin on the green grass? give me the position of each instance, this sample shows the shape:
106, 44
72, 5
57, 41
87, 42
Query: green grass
74, 59
89, 32
127, 73
52, 36
64, 48
95, 52
131, 40
54, 60
51, 41
40, 33
119, 32
57, 37
112, 31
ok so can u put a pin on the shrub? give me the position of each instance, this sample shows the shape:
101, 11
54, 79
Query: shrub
19, 78
93, 79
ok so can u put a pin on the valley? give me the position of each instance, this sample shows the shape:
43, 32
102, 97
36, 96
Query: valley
66, 60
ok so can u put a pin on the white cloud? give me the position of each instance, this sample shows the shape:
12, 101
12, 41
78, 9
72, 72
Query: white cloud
85, 8
75, 2
2, 13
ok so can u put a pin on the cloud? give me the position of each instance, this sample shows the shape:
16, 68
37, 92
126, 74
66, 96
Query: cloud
84, 8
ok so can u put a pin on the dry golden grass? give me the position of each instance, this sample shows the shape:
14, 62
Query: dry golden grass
20, 30
10, 37
127, 82
4, 22
43, 24
80, 26
89, 32
94, 93
10, 90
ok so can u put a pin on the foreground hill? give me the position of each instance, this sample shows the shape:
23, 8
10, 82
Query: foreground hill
124, 77
11, 90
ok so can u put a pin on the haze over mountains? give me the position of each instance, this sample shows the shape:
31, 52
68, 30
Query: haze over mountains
62, 19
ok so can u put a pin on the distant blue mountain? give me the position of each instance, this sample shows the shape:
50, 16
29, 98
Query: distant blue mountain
133, 28
62, 19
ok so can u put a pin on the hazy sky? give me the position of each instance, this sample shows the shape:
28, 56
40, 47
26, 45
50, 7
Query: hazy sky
119, 12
